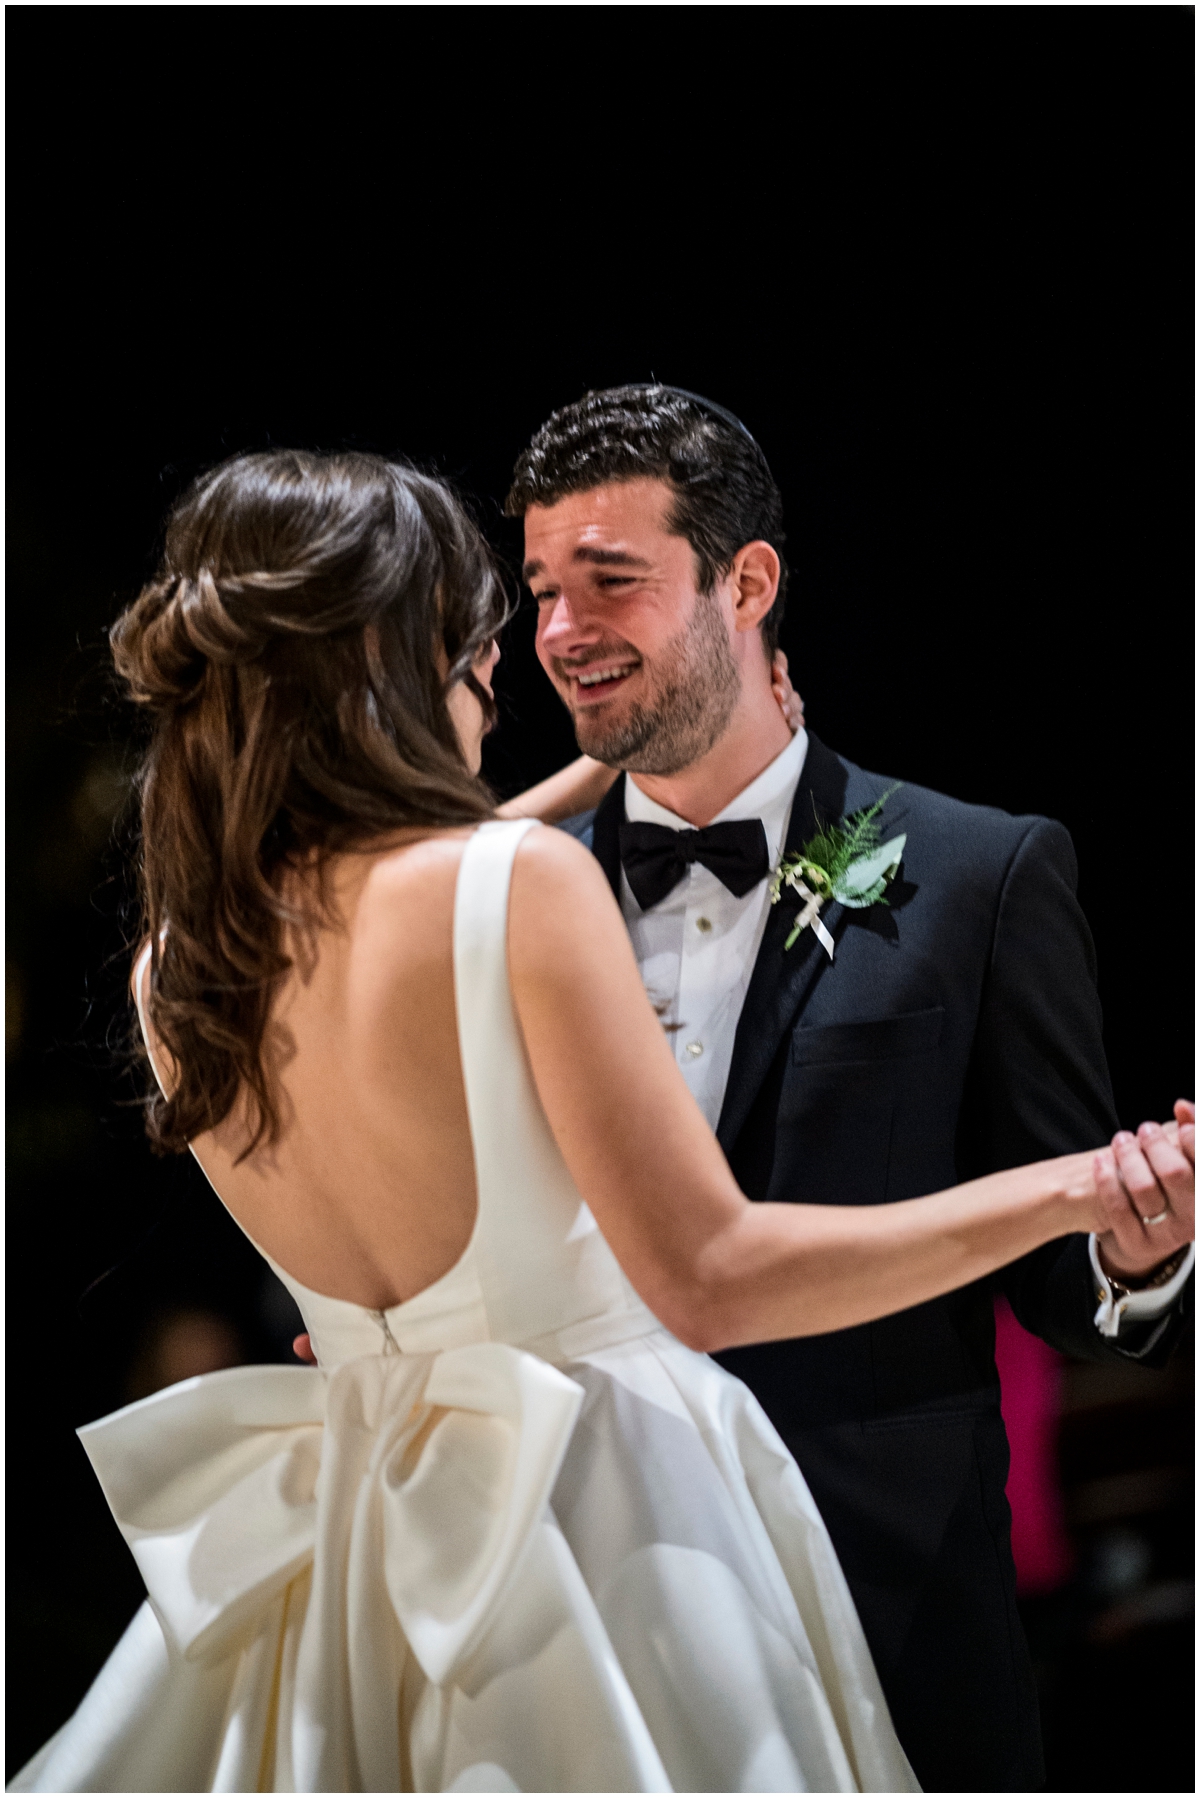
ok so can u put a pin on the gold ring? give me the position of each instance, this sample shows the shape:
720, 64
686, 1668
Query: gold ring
1164, 1213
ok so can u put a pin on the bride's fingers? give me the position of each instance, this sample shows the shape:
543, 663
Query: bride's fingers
1183, 1138
789, 700
1171, 1131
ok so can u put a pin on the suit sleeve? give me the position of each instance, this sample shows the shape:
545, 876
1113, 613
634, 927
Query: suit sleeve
1038, 1086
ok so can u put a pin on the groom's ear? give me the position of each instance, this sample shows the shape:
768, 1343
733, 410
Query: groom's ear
754, 582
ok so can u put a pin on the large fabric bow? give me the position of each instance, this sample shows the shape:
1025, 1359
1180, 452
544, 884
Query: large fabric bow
406, 1482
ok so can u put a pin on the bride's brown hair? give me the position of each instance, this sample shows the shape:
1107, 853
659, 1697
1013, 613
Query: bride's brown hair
287, 652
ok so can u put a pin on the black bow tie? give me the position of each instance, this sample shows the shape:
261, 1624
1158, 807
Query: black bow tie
656, 859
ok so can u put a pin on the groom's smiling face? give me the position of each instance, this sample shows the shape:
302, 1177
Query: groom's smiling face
641, 657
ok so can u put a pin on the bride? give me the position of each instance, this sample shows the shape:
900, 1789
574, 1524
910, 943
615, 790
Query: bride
515, 1531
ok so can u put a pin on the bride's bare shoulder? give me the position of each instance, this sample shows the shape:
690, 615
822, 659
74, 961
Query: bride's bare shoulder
550, 862
560, 900
406, 895
409, 884
394, 867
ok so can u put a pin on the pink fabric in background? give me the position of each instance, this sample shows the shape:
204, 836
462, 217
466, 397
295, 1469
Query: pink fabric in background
1030, 1382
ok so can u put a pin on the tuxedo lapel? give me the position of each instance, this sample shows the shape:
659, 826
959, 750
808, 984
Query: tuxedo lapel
606, 845
783, 979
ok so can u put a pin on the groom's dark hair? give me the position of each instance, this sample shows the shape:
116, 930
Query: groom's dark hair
725, 494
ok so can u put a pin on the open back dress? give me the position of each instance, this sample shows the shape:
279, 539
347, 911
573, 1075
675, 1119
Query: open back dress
510, 1535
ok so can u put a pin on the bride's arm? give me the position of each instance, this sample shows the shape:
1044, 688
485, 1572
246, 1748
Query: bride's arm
576, 788
716, 1269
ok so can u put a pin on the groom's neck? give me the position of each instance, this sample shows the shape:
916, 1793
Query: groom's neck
757, 732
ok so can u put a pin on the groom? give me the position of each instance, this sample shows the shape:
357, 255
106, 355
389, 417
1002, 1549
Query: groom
890, 1052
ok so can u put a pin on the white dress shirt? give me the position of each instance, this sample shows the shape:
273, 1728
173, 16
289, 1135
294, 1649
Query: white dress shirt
697, 947
696, 950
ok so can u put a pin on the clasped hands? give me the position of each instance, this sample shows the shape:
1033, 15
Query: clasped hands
1146, 1186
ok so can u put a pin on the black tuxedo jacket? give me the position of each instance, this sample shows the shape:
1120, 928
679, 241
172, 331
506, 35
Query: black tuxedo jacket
956, 1032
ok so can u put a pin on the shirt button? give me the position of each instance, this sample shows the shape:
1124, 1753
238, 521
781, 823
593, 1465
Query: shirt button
694, 1049
703, 924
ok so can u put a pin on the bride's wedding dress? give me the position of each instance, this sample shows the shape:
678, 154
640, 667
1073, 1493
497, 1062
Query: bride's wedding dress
510, 1536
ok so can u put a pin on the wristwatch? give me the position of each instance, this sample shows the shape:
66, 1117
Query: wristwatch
1124, 1284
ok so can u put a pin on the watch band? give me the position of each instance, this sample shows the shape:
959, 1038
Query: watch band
1123, 1287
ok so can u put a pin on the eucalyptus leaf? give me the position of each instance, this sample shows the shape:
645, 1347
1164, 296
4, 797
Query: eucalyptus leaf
860, 901
856, 885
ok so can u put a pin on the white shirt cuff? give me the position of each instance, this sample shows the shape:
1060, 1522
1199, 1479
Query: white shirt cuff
1135, 1307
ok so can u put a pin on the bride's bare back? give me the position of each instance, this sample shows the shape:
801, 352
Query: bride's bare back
369, 1192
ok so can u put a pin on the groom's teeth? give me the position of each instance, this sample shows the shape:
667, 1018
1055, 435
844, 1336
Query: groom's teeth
593, 680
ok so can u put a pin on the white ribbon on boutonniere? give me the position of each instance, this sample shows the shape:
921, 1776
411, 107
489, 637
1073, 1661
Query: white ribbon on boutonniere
809, 915
845, 862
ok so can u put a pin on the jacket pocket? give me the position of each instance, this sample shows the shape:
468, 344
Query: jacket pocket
875, 1039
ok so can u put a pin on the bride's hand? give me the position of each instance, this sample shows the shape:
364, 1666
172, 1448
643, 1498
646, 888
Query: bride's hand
1150, 1176
790, 702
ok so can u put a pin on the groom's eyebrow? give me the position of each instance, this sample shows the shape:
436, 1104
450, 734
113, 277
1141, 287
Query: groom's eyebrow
600, 558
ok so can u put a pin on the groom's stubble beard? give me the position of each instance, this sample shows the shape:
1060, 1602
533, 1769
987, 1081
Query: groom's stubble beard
696, 682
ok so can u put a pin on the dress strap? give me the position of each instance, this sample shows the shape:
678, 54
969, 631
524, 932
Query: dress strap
488, 1034
543, 1266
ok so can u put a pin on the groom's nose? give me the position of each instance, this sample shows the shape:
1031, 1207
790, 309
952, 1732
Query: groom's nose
563, 627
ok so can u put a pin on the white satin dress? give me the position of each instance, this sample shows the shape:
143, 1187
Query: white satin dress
508, 1536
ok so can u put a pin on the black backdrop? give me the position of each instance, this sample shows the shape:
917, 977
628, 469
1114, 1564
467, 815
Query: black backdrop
939, 261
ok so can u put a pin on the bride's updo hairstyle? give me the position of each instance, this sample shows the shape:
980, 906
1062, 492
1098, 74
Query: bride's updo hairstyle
287, 655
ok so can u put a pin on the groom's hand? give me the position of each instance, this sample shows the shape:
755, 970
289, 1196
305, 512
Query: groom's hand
303, 1350
1151, 1204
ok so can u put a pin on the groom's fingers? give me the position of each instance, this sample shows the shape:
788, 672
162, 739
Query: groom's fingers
1175, 1173
1113, 1198
1137, 1177
1160, 1184
1150, 1176
1127, 1246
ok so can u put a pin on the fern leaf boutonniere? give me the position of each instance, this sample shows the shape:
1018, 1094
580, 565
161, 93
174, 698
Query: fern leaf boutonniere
846, 862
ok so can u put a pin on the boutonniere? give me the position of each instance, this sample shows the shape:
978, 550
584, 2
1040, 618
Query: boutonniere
846, 862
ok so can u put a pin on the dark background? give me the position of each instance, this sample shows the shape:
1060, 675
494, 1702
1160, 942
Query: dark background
940, 263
